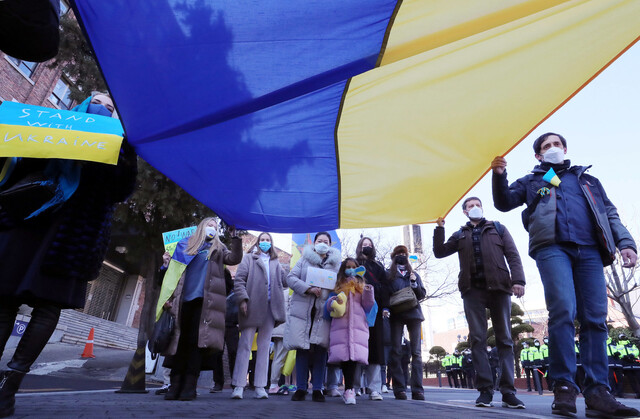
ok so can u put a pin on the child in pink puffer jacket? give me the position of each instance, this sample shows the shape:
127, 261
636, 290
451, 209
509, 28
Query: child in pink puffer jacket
348, 306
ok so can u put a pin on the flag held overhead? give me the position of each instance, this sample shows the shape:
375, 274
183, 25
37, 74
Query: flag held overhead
345, 108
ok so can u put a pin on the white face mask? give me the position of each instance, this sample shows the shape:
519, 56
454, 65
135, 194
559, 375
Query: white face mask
475, 213
321, 248
554, 155
210, 232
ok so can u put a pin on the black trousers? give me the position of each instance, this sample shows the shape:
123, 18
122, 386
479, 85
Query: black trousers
349, 372
188, 357
231, 338
633, 376
616, 381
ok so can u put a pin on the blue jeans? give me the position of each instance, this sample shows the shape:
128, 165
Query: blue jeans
334, 377
574, 283
318, 356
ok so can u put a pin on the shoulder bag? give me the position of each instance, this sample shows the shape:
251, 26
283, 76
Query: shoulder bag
403, 300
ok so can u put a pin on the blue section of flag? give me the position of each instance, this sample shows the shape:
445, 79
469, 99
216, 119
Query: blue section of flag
237, 101
257, 171
180, 252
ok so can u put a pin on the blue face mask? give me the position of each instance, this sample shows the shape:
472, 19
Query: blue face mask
265, 246
350, 272
96, 109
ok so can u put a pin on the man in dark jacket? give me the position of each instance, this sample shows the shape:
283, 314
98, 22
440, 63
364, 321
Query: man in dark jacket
574, 231
485, 283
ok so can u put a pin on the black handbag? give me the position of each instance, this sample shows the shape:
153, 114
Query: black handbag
162, 334
27, 195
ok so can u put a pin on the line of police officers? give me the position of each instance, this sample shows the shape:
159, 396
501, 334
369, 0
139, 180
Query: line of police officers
459, 368
624, 362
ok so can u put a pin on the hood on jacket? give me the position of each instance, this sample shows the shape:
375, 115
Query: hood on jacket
333, 256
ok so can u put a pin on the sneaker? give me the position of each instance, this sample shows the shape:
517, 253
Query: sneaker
511, 401
273, 389
163, 389
237, 393
317, 396
385, 389
400, 395
358, 393
417, 395
261, 393
349, 396
283, 391
600, 403
564, 399
334, 393
484, 399
216, 388
375, 395
299, 395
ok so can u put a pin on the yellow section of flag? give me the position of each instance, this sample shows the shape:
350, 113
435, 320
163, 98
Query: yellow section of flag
459, 83
41, 142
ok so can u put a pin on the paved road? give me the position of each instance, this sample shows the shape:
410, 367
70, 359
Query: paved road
440, 403
64, 386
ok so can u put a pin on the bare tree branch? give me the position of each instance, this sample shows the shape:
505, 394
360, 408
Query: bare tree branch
621, 283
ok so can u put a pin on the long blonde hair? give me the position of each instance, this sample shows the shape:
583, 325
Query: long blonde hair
196, 240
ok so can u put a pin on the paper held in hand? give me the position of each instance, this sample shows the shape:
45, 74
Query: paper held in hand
322, 278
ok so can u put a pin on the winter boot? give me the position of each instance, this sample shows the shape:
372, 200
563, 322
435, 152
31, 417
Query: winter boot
40, 328
189, 388
9, 385
175, 387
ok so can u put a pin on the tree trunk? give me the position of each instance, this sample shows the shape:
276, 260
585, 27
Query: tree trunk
149, 266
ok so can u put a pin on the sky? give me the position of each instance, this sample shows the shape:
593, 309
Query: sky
602, 125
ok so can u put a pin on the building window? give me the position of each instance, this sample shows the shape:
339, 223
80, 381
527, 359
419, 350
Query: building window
61, 95
26, 67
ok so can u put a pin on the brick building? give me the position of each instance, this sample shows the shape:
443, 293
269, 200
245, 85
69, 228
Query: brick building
115, 295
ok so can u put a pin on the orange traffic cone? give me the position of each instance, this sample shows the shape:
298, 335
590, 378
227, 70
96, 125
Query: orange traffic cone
88, 347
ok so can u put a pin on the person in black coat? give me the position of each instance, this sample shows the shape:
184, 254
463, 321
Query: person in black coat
376, 277
29, 29
400, 276
47, 260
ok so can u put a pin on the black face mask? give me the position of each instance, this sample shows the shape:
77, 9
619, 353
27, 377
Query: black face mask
367, 251
401, 260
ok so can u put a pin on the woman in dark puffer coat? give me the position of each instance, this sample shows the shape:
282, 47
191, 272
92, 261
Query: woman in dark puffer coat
47, 260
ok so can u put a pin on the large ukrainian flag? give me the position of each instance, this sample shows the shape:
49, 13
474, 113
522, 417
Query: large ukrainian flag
307, 115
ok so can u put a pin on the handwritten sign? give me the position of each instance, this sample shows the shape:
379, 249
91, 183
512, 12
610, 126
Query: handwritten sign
171, 238
36, 131
322, 278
